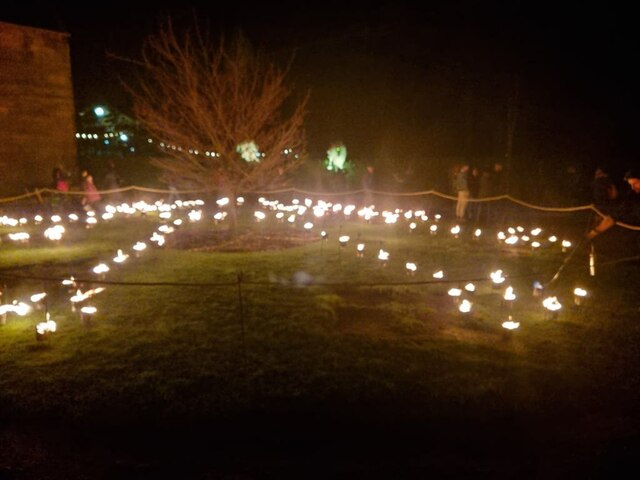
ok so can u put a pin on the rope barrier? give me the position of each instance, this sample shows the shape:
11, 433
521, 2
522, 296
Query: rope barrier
18, 197
436, 193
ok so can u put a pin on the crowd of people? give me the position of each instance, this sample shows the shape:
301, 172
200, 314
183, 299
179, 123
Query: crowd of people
473, 183
613, 203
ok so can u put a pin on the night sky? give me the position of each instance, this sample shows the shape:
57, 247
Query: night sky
401, 85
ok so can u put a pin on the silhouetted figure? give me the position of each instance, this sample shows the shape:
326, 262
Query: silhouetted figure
461, 186
60, 179
368, 185
604, 192
91, 195
473, 182
498, 183
628, 211
484, 192
61, 185
112, 181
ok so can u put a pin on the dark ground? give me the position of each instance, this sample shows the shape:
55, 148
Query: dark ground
332, 441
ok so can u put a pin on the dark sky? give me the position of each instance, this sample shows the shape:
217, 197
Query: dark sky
400, 82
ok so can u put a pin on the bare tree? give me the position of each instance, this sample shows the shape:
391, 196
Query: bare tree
226, 118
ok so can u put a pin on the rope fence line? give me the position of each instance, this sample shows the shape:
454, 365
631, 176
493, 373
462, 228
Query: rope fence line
38, 191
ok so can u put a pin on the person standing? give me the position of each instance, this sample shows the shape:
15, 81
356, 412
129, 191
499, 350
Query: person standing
112, 181
604, 192
91, 194
60, 180
473, 182
367, 186
61, 185
628, 211
484, 208
461, 186
498, 188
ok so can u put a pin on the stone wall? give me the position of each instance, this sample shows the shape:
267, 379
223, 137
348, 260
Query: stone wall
37, 114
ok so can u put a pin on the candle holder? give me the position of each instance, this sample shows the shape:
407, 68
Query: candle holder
470, 288
86, 314
508, 299
456, 295
550, 314
579, 296
45, 329
41, 336
538, 289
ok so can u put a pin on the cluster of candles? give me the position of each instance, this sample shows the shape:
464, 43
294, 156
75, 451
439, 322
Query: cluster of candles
291, 213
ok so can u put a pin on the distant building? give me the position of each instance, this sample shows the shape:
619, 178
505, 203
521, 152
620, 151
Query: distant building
104, 131
37, 115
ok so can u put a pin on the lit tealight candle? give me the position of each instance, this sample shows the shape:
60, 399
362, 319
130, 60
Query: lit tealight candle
120, 257
46, 328
497, 278
509, 297
579, 296
465, 306
86, 313
510, 324
509, 294
455, 293
552, 306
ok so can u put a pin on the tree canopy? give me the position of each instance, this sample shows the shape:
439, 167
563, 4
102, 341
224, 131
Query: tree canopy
222, 115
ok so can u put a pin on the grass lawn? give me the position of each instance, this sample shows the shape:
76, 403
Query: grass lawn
319, 363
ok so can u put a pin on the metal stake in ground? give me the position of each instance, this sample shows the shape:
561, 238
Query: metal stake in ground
241, 306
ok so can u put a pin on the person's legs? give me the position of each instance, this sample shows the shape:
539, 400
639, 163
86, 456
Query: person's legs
461, 206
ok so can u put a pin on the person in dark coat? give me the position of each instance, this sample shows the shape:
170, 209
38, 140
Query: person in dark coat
604, 192
628, 211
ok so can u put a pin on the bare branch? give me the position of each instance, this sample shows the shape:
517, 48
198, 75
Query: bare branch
202, 101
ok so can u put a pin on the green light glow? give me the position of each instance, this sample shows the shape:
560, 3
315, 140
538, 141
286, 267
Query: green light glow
249, 151
336, 158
